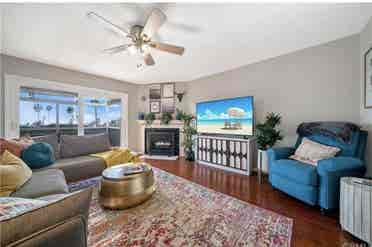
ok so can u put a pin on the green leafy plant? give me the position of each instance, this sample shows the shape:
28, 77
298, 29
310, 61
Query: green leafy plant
179, 114
149, 118
267, 133
189, 131
166, 117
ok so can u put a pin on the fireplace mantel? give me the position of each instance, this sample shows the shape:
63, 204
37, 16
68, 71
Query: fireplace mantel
157, 124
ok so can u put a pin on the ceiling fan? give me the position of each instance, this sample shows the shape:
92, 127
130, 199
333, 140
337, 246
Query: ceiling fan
140, 37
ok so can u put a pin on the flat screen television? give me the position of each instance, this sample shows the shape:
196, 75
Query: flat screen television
233, 116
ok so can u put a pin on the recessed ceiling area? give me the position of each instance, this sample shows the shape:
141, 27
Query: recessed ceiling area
216, 37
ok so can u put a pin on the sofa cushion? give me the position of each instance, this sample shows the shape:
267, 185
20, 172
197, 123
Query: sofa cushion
37, 226
52, 140
43, 183
38, 155
13, 173
73, 146
79, 168
296, 171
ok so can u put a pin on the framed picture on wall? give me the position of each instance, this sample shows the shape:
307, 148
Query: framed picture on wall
155, 92
168, 90
368, 79
167, 105
155, 106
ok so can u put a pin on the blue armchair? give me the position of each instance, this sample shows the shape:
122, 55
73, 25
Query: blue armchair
317, 185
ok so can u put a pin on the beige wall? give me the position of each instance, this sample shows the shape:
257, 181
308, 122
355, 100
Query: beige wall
366, 114
318, 83
21, 67
1, 96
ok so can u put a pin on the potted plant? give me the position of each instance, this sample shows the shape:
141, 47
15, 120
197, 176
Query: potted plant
267, 136
189, 131
179, 114
149, 118
166, 117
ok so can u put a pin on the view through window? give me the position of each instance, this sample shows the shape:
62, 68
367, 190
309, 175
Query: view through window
45, 112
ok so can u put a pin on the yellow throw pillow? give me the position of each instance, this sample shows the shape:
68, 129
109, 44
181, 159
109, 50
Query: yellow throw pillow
13, 173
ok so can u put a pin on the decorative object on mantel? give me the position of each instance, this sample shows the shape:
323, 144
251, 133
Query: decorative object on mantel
368, 79
180, 96
168, 90
267, 135
155, 106
141, 116
166, 117
189, 131
149, 118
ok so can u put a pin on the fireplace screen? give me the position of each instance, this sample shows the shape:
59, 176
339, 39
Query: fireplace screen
162, 141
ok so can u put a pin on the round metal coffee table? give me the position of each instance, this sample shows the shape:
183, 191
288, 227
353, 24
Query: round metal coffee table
126, 185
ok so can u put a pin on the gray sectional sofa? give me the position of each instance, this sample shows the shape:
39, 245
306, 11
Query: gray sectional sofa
72, 163
63, 223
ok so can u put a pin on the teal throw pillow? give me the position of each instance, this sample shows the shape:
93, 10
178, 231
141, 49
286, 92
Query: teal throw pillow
38, 155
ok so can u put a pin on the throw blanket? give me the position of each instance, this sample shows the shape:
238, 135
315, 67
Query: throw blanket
341, 131
117, 156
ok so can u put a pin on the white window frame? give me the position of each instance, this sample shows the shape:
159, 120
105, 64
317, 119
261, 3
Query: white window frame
13, 84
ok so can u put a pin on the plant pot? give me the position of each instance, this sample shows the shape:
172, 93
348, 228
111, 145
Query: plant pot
262, 157
189, 155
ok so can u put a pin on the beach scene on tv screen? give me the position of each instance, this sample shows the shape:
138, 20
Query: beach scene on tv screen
229, 116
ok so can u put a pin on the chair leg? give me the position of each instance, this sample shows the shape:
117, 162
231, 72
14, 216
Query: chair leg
323, 211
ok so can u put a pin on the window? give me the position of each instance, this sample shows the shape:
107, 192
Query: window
103, 116
44, 112
45, 108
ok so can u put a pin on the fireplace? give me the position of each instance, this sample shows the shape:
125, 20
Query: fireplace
162, 141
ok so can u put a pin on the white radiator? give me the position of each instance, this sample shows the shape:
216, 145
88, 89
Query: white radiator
355, 207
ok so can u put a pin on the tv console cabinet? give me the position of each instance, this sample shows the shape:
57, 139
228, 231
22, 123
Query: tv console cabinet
231, 154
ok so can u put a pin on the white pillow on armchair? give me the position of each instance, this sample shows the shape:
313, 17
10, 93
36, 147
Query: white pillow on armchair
311, 152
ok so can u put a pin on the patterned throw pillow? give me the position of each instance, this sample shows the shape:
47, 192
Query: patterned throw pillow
311, 152
13, 173
15, 146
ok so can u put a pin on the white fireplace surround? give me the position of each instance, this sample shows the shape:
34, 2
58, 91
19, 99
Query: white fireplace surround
157, 124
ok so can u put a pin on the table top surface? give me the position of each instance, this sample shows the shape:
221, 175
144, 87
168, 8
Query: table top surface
124, 171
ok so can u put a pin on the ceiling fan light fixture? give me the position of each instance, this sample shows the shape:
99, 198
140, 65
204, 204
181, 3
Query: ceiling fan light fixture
132, 49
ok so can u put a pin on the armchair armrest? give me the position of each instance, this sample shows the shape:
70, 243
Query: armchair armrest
339, 164
330, 172
279, 153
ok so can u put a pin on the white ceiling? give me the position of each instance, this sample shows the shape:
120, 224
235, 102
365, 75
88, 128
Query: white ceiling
217, 37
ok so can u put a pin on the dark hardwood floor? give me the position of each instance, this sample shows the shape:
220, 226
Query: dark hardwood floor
310, 227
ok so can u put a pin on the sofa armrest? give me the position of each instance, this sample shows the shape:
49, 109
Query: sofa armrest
339, 164
62, 215
330, 172
279, 153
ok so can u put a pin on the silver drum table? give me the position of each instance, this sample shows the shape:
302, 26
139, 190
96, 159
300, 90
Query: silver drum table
356, 208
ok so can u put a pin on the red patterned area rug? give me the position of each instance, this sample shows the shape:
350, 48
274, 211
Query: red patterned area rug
182, 213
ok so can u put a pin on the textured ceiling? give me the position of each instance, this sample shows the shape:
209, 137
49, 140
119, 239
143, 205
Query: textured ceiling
217, 37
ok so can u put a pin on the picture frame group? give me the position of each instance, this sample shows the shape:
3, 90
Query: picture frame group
162, 98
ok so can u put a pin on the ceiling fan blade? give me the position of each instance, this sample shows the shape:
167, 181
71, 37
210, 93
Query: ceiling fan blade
154, 22
168, 48
149, 60
108, 23
116, 49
